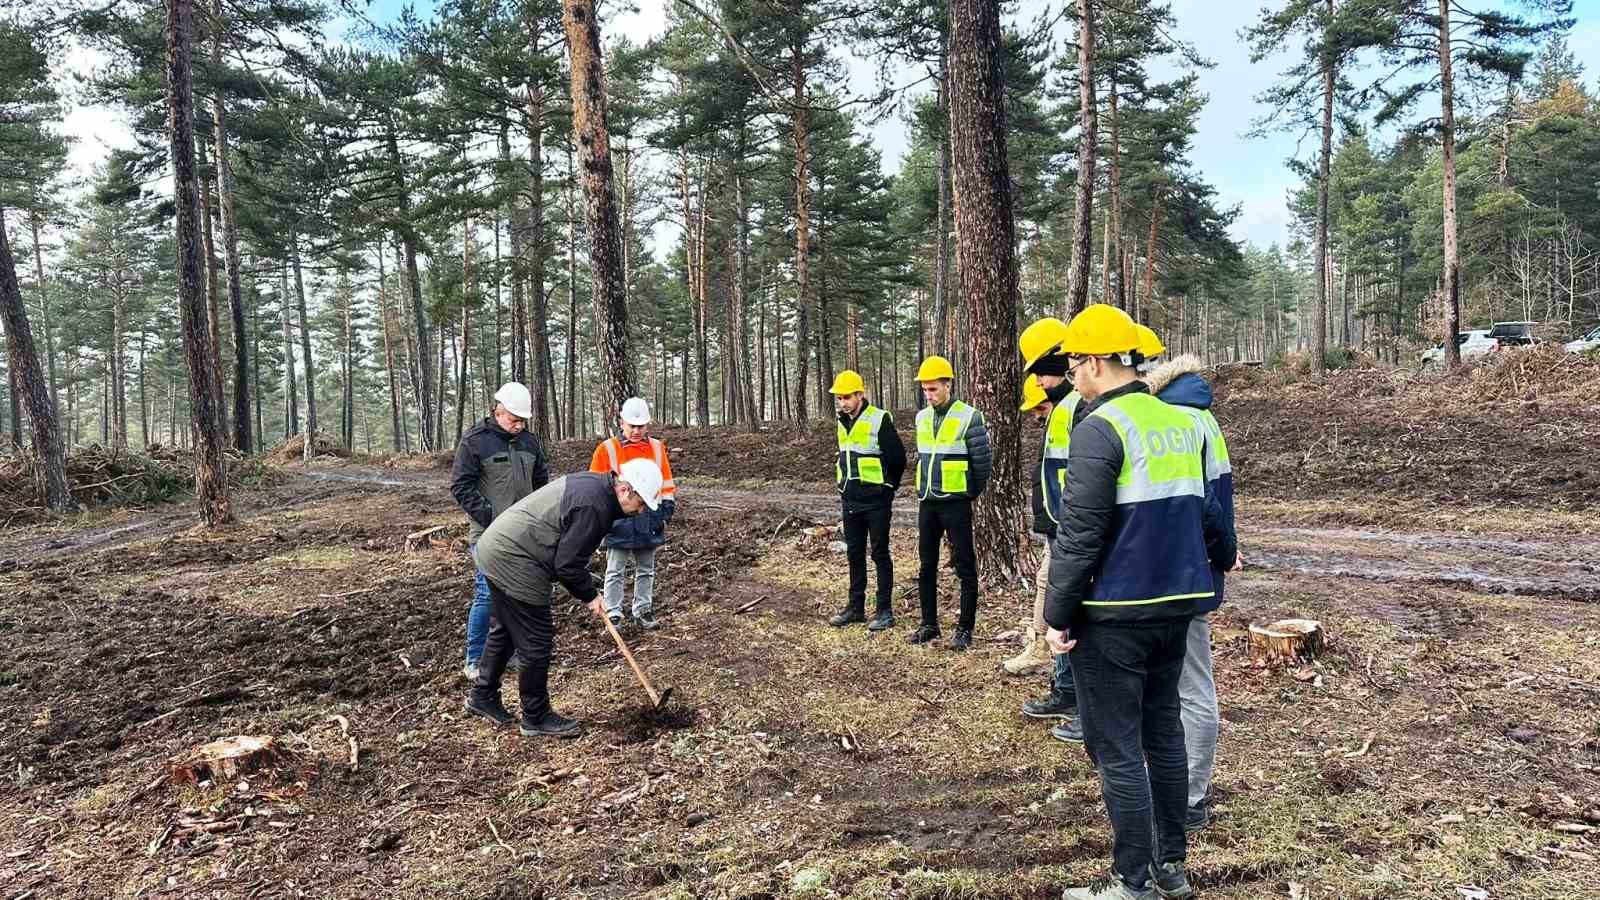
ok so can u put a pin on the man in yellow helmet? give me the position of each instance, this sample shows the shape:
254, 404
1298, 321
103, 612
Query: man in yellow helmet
1042, 359
1131, 565
872, 459
953, 466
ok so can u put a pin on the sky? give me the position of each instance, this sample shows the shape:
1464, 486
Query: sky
1249, 173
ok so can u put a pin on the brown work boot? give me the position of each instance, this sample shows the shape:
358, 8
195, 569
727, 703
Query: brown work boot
1035, 658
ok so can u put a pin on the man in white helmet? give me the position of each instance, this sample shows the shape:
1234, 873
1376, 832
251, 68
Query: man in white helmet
633, 541
497, 463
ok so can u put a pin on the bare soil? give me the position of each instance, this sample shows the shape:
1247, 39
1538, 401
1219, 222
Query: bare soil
1447, 740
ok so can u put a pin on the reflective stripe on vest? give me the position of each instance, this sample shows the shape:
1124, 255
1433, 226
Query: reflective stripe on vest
657, 449
860, 457
942, 455
1163, 475
1053, 461
1217, 462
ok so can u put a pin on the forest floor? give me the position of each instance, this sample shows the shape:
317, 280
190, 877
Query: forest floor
1446, 745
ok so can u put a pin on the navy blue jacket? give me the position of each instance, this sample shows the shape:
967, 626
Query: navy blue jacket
1178, 382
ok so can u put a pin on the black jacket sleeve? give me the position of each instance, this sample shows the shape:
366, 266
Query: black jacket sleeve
894, 452
979, 452
1222, 541
1088, 514
585, 526
464, 483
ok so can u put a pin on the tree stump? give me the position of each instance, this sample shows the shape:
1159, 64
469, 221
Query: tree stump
1285, 641
229, 759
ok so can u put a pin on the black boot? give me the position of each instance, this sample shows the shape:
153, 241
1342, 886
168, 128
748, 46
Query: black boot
490, 708
551, 724
962, 639
852, 613
882, 618
1057, 705
923, 634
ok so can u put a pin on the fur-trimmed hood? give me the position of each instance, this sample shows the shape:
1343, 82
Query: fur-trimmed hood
1178, 381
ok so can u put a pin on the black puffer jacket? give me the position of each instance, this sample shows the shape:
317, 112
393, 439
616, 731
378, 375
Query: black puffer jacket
493, 470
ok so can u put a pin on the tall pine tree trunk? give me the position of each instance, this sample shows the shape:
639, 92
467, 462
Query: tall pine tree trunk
985, 242
207, 211
305, 337
1319, 335
605, 243
28, 380
572, 300
230, 247
519, 308
1088, 121
802, 213
209, 466
1116, 291
291, 399
388, 352
543, 378
462, 375
941, 225
408, 236
44, 311
1447, 134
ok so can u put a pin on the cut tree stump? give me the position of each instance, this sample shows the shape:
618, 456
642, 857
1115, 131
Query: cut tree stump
231, 758
418, 539
1285, 641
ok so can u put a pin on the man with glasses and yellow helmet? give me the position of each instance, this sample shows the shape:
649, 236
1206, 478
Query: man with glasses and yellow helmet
871, 462
1130, 566
954, 462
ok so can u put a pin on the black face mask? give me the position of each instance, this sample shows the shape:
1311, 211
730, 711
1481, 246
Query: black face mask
1059, 392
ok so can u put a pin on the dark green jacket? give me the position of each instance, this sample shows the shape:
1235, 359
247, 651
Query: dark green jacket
493, 470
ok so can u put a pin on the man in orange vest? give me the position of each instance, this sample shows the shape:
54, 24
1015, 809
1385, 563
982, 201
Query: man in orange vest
633, 541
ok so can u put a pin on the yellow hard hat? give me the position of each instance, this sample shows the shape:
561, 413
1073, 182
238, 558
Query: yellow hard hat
848, 382
1039, 339
1032, 394
1100, 330
1150, 345
934, 368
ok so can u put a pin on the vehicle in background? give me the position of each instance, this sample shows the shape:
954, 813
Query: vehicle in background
1473, 344
1513, 333
1590, 341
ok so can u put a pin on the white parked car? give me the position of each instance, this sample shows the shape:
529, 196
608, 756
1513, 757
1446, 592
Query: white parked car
1473, 344
1590, 341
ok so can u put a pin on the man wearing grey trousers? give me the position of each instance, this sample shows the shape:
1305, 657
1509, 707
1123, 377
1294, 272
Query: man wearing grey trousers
1178, 382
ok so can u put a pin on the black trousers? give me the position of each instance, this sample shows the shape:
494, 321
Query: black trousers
530, 632
934, 521
1127, 680
858, 527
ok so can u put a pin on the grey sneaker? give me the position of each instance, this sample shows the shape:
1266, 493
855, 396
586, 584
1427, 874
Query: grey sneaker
1171, 881
1110, 887
1069, 732
553, 724
1197, 817
470, 671
1055, 705
615, 619
647, 620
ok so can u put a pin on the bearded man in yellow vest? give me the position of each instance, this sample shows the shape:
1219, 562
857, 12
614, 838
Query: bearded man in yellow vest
954, 463
872, 460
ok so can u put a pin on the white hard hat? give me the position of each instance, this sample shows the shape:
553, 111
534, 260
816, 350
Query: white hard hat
644, 476
635, 411
515, 398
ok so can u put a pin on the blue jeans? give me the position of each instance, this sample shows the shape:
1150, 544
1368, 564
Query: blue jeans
478, 616
1062, 681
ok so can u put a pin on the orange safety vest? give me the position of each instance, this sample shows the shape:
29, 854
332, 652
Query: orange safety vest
612, 453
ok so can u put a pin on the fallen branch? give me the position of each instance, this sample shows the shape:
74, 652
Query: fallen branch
353, 593
496, 832
749, 606
1365, 746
